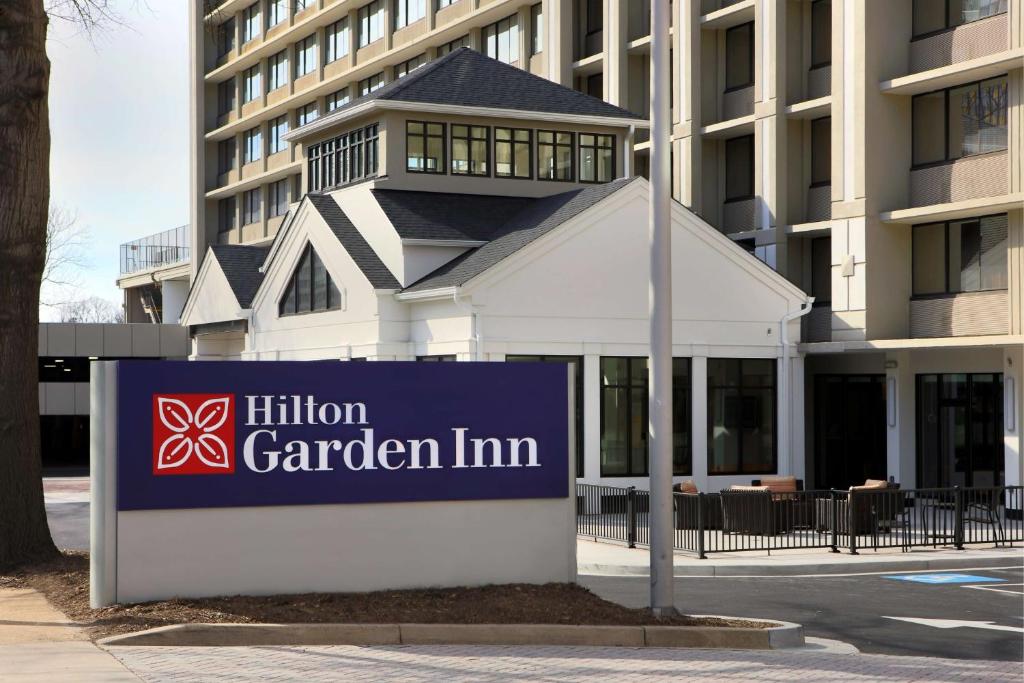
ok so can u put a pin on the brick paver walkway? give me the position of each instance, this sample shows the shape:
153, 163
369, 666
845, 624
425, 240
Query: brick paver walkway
451, 663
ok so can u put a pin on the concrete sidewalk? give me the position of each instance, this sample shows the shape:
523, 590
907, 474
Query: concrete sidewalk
38, 643
611, 559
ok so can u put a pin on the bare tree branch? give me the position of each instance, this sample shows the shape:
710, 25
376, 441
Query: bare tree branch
66, 244
91, 310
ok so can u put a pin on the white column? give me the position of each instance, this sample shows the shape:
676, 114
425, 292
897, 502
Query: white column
900, 419
173, 294
592, 418
699, 418
797, 459
1013, 415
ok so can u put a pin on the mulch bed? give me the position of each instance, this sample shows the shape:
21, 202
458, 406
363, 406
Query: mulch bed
65, 583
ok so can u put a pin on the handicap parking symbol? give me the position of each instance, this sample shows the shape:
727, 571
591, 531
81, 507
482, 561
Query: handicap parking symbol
937, 579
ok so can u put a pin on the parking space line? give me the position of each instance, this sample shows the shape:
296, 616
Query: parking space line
1000, 589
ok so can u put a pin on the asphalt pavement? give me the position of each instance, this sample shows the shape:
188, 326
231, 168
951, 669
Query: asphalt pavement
859, 609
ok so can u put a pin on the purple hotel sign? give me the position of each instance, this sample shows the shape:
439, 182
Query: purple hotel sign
236, 434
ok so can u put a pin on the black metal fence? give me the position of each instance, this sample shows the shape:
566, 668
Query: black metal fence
736, 521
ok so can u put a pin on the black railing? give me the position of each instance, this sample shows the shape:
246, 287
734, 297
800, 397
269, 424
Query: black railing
736, 521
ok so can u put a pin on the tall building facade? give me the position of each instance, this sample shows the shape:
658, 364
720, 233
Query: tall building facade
871, 152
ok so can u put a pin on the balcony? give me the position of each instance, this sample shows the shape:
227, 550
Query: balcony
962, 43
162, 249
960, 315
970, 177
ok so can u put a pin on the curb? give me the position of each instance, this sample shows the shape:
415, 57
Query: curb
781, 635
804, 569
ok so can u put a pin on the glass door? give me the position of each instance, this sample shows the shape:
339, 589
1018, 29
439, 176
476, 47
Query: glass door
849, 429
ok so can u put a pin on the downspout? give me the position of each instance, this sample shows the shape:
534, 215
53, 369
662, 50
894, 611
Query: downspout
786, 421
475, 333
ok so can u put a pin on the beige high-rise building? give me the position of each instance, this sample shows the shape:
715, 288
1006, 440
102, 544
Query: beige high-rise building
871, 151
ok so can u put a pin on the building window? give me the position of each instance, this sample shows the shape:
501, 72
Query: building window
337, 99
577, 363
410, 65
821, 151
441, 4
277, 198
424, 147
958, 122
251, 84
821, 33
470, 145
371, 22
311, 288
277, 128
441, 358
741, 416
739, 168
228, 216
935, 16
336, 39
453, 45
554, 156
344, 159
252, 145
960, 256
226, 153
501, 40
594, 16
739, 57
371, 83
537, 29
251, 206
821, 270
226, 38
250, 22
624, 417
277, 70
409, 12
305, 56
597, 158
277, 11
226, 97
301, 5
513, 152
306, 114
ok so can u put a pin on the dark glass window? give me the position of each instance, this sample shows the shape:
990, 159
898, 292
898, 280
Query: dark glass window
252, 84
821, 151
410, 65
277, 11
554, 155
537, 29
409, 11
277, 128
277, 200
305, 56
441, 4
344, 159
226, 37
251, 206
963, 121
453, 45
594, 16
501, 39
252, 149
228, 215
577, 363
226, 97
597, 158
739, 168
424, 147
310, 288
371, 83
444, 358
739, 56
336, 39
741, 416
371, 22
821, 33
470, 146
226, 155
821, 270
960, 256
251, 22
513, 152
277, 70
624, 426
934, 16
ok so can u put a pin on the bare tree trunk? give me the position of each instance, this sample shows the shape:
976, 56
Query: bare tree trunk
24, 201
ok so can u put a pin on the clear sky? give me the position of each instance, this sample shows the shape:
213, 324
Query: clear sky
119, 125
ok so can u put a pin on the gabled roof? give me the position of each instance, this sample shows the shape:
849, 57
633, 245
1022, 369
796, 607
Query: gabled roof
446, 215
466, 78
241, 266
535, 219
355, 244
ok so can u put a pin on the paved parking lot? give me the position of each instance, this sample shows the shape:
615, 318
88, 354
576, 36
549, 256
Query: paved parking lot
873, 612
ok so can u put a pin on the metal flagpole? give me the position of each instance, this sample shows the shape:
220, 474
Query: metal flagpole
660, 363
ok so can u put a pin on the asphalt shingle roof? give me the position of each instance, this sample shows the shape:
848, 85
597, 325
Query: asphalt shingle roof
355, 244
464, 77
446, 215
535, 219
241, 266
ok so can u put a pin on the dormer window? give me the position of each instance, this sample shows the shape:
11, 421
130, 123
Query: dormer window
469, 150
310, 288
554, 155
344, 159
424, 145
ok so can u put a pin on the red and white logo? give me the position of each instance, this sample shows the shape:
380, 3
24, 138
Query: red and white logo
193, 434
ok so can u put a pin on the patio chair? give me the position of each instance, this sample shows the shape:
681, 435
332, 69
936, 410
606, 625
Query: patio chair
686, 502
753, 510
869, 509
982, 507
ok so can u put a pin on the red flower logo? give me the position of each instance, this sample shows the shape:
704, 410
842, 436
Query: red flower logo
193, 434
